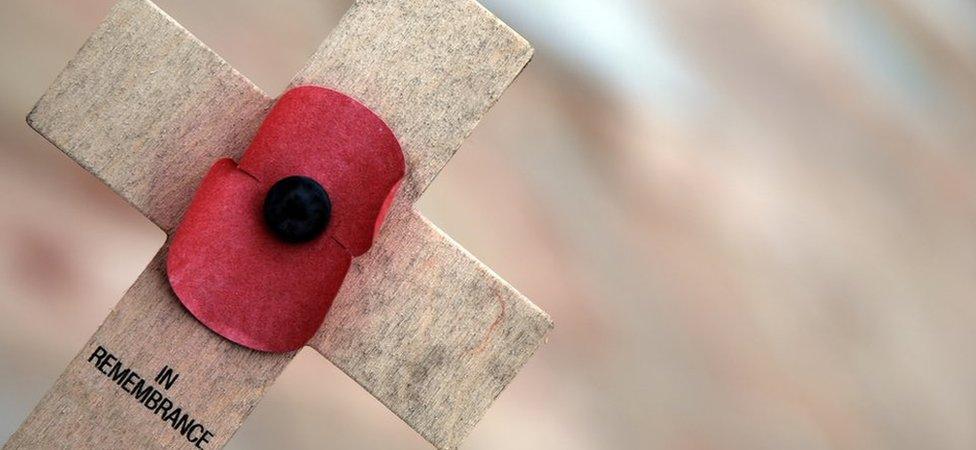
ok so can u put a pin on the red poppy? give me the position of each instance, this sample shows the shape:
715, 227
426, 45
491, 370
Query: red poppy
239, 278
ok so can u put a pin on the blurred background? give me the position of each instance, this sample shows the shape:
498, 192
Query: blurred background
752, 221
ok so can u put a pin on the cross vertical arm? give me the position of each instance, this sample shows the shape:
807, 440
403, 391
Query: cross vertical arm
430, 68
220, 382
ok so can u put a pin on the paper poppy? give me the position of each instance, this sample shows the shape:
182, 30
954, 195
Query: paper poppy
252, 258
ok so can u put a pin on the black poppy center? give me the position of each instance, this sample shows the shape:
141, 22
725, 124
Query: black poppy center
297, 209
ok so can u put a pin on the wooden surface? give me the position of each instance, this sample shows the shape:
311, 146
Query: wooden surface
219, 384
146, 107
429, 68
427, 329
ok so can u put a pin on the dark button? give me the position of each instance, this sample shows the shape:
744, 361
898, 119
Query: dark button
297, 209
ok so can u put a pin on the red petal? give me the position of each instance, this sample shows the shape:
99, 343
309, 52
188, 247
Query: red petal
332, 138
239, 279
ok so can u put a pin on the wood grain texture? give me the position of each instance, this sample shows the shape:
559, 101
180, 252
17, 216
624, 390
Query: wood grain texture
219, 384
146, 107
428, 330
430, 68
421, 324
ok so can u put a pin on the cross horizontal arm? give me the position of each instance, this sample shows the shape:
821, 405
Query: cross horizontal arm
428, 330
147, 108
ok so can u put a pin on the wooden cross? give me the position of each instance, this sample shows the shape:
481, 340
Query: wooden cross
422, 325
